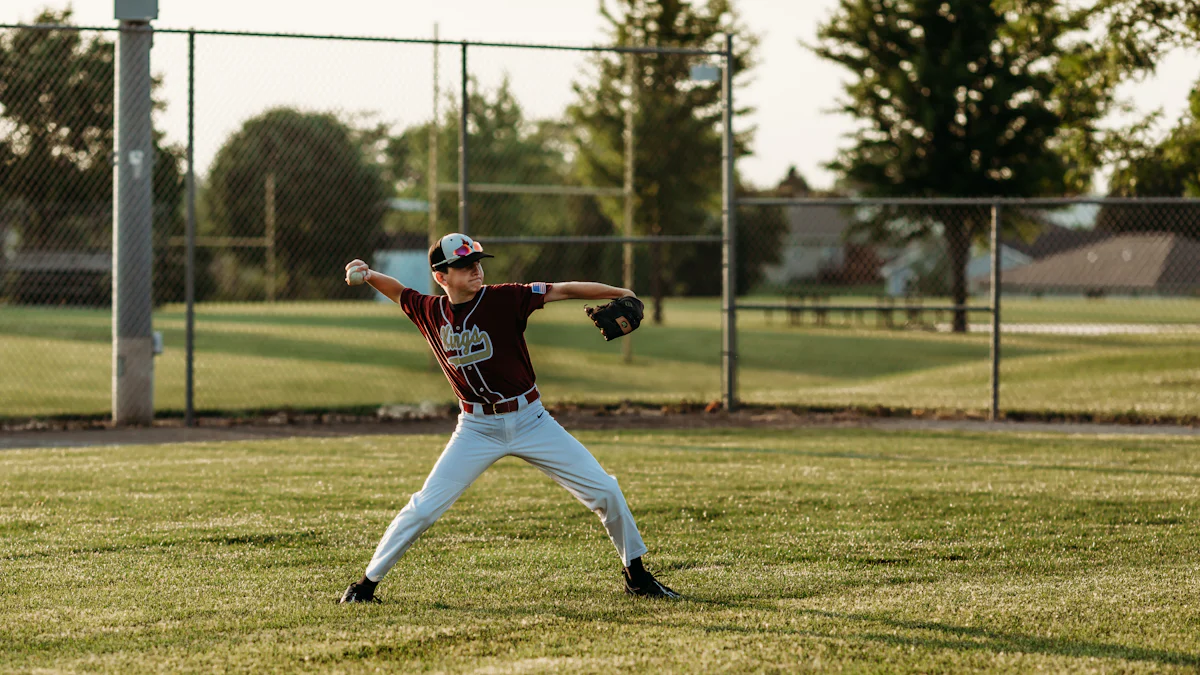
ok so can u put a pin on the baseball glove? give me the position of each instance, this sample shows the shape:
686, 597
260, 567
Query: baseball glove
619, 317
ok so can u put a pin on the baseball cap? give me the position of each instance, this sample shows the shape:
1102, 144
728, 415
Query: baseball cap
455, 250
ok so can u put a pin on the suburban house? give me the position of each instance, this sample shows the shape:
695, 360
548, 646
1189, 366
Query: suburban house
1134, 264
1058, 231
815, 246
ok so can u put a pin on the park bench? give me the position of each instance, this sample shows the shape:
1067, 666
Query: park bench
908, 312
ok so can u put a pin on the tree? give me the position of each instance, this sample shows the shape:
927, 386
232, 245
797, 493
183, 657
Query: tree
1167, 168
329, 198
505, 148
676, 122
56, 136
963, 98
1140, 32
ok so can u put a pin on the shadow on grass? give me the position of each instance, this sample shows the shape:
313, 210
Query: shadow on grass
982, 639
285, 539
267, 539
952, 637
957, 638
941, 461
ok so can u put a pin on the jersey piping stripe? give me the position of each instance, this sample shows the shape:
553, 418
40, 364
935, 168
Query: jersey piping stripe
440, 353
463, 371
478, 370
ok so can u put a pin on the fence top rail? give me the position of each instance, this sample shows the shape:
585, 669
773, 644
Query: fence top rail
588, 239
368, 38
969, 201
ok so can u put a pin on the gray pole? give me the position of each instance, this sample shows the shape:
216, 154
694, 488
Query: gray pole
729, 236
189, 414
627, 275
463, 109
994, 414
133, 201
433, 169
269, 231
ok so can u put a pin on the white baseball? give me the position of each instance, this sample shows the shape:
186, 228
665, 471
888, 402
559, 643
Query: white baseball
358, 276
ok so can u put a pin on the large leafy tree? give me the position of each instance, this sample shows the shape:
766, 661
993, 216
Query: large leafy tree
56, 136
329, 198
966, 98
1140, 33
676, 123
1169, 167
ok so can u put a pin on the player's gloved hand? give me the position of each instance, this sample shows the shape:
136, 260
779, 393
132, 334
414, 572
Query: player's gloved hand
357, 272
618, 317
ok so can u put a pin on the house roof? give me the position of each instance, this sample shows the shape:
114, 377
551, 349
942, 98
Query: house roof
1055, 239
1132, 261
824, 223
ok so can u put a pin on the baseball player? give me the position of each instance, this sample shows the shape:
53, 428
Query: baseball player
476, 331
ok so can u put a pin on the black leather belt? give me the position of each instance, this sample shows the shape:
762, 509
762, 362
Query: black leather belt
502, 407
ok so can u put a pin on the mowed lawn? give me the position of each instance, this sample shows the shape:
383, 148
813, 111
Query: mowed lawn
330, 355
797, 550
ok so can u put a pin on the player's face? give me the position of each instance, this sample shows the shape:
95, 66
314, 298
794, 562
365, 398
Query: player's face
464, 279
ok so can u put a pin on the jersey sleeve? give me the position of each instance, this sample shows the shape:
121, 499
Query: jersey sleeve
413, 303
524, 299
532, 297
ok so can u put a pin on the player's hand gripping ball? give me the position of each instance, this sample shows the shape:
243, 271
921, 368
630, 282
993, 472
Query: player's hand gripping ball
357, 272
619, 317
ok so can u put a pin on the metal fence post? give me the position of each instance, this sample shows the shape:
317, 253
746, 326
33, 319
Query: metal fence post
729, 238
433, 169
464, 109
627, 271
994, 414
189, 406
133, 217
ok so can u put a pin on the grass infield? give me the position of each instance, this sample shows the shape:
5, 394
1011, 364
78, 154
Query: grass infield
810, 549
337, 355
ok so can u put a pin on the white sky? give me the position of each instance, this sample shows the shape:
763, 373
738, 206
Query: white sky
791, 90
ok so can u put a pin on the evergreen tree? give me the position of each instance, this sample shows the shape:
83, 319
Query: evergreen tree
677, 124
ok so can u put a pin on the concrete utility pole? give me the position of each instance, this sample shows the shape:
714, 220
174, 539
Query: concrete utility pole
133, 208
729, 365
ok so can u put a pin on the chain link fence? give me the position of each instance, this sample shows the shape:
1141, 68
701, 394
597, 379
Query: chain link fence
310, 151
599, 164
859, 300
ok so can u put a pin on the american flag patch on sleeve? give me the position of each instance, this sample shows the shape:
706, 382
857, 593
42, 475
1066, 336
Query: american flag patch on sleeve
538, 287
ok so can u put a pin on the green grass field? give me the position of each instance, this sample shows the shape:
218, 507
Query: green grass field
797, 550
324, 355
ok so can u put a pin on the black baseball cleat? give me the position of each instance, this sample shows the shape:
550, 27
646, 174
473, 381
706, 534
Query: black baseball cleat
359, 593
643, 584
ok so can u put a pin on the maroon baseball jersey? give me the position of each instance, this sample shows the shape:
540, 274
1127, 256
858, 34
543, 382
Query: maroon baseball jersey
481, 343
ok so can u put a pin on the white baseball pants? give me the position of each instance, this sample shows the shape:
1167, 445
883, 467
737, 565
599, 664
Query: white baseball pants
479, 441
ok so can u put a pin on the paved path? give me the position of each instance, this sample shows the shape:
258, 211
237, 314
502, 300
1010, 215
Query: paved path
1082, 328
